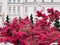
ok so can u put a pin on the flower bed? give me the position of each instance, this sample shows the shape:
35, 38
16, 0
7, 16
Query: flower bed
25, 32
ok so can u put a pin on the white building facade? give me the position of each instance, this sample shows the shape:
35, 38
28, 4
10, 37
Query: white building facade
23, 8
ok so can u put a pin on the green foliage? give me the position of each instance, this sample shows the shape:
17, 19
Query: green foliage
57, 24
7, 19
19, 18
31, 18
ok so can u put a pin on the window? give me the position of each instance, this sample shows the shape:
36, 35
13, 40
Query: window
51, 0
42, 0
18, 1
13, 9
26, 10
13, 1
9, 1
34, 0
34, 10
9, 9
0, 9
18, 9
25, 0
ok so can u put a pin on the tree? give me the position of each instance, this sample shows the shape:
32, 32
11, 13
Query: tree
7, 19
19, 18
31, 18
57, 24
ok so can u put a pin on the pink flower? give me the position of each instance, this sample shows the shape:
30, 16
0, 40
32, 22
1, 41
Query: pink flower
39, 13
23, 32
50, 10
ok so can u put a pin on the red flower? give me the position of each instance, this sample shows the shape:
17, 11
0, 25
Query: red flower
23, 32
39, 13
50, 10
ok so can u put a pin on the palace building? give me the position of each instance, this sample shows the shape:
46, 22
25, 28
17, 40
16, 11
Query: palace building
23, 8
